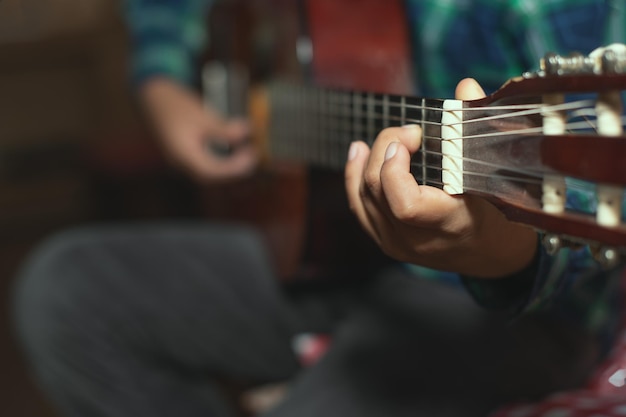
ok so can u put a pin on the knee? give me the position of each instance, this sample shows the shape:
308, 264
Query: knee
49, 292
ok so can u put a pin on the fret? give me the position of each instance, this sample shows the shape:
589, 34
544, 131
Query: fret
300, 128
313, 128
316, 125
335, 138
432, 133
371, 118
342, 146
385, 111
424, 147
323, 141
356, 107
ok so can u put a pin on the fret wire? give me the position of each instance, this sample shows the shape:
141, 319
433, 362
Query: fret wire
346, 122
335, 155
327, 141
319, 105
330, 127
385, 111
317, 116
355, 115
340, 144
371, 129
301, 123
293, 121
289, 143
289, 99
338, 137
423, 147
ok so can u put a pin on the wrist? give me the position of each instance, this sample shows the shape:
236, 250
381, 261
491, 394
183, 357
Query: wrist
508, 249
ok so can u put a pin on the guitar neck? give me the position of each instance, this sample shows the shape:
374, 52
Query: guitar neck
317, 125
496, 151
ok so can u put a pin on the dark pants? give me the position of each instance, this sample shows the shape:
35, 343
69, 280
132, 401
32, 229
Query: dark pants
151, 320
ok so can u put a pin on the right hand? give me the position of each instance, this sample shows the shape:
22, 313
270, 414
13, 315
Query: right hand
186, 127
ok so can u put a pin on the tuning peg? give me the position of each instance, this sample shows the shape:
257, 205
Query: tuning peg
610, 59
606, 256
574, 63
551, 243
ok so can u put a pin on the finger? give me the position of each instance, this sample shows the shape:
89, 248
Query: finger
409, 136
469, 89
198, 159
237, 131
357, 159
421, 206
242, 161
222, 137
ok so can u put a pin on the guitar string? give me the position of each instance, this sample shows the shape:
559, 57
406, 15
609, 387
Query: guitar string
535, 109
346, 133
537, 181
388, 101
579, 125
537, 172
387, 118
576, 185
570, 127
436, 182
581, 105
586, 123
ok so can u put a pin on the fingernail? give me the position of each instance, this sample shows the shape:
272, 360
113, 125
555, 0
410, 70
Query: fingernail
353, 151
411, 126
391, 150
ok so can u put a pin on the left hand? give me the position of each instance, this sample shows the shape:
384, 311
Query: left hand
424, 225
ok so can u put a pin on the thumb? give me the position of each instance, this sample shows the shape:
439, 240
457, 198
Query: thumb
469, 89
237, 130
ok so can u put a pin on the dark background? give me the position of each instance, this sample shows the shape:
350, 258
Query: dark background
73, 148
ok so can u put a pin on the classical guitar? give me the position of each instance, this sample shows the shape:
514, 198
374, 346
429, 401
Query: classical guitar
522, 148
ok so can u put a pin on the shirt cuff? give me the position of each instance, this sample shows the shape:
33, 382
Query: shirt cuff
162, 59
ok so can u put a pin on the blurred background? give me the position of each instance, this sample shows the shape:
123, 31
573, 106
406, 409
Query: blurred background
73, 148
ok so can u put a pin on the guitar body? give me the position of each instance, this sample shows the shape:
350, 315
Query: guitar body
303, 212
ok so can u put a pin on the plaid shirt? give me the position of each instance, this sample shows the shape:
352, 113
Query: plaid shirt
490, 40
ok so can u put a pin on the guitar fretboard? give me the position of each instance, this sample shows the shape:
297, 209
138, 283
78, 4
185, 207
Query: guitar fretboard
317, 125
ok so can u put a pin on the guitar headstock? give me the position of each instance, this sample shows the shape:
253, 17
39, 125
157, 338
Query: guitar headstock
562, 131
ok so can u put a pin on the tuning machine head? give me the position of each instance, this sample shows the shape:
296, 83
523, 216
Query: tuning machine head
551, 243
607, 256
606, 60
